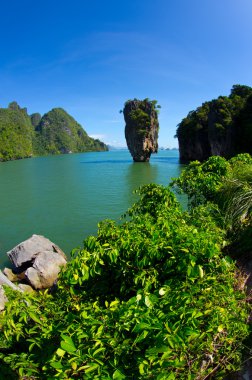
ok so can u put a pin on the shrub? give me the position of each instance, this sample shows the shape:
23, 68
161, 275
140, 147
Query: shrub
152, 297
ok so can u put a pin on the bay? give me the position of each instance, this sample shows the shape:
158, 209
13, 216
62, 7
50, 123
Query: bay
64, 197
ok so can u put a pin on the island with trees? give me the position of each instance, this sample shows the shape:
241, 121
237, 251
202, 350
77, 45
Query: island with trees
23, 135
222, 126
141, 129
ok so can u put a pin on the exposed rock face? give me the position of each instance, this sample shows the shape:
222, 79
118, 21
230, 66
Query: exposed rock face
207, 138
26, 288
25, 253
45, 269
5, 281
3, 298
221, 127
40, 259
141, 130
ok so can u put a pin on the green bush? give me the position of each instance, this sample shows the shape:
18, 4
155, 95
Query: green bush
152, 297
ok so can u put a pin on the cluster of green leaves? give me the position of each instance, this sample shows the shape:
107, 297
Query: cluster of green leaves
228, 185
208, 181
225, 121
57, 132
201, 181
152, 297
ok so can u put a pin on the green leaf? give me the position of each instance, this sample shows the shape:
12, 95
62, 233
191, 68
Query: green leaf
117, 375
141, 369
70, 348
60, 352
201, 272
92, 368
56, 365
34, 317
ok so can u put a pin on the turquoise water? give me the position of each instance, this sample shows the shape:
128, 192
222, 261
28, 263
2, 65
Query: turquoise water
64, 197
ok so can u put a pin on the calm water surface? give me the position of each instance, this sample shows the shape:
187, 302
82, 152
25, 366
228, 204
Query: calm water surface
64, 197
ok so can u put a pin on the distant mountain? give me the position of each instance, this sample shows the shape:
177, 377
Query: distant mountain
56, 132
16, 133
111, 147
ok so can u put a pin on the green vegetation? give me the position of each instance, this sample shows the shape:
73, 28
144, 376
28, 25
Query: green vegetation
142, 115
222, 126
152, 297
16, 133
228, 186
56, 132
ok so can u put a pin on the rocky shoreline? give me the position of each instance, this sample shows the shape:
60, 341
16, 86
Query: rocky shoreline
36, 263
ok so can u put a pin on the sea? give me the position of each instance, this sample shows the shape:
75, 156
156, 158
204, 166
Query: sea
64, 197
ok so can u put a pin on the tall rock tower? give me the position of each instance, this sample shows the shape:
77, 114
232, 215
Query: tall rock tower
141, 129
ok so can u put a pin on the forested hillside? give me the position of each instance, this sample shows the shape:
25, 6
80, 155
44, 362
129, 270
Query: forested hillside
222, 127
56, 132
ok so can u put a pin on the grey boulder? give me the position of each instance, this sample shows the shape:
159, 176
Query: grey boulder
5, 281
3, 298
39, 259
26, 288
45, 269
25, 253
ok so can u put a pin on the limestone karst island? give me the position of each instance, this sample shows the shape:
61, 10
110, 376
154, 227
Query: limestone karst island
56, 132
221, 127
164, 292
141, 129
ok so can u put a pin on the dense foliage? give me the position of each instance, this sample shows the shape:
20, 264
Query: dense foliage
16, 134
56, 132
222, 126
141, 115
152, 297
228, 186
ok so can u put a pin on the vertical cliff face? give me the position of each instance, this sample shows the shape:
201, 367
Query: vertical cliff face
141, 129
221, 127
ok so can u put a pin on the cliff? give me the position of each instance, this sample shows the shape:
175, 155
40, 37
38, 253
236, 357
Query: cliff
221, 127
56, 132
141, 129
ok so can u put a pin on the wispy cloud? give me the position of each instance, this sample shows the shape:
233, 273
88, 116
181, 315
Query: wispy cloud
138, 52
98, 136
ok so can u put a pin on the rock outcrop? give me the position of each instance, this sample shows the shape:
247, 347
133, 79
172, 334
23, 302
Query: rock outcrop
221, 127
45, 269
5, 281
24, 254
141, 130
3, 298
38, 260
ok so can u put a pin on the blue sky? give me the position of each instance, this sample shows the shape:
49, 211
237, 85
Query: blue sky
89, 57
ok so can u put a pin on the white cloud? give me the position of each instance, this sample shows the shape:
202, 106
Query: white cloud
98, 136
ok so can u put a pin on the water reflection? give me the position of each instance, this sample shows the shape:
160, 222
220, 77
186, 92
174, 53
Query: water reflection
140, 173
